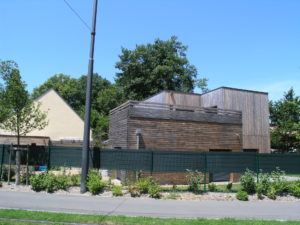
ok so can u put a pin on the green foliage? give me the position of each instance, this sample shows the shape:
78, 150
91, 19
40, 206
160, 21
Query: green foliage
151, 68
37, 182
285, 121
105, 95
94, 183
229, 186
242, 196
279, 183
294, 189
154, 190
0, 184
144, 184
62, 182
271, 193
248, 182
117, 191
5, 172
263, 184
212, 187
194, 180
134, 190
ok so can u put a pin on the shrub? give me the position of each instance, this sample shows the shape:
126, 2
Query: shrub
145, 184
0, 184
271, 193
212, 187
154, 191
263, 184
229, 186
49, 182
194, 180
5, 173
37, 182
94, 183
294, 189
134, 191
242, 196
62, 182
117, 191
279, 183
248, 182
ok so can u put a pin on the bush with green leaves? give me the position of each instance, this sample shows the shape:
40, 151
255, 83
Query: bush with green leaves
154, 191
117, 191
279, 183
62, 182
94, 183
294, 188
144, 184
194, 180
212, 187
0, 184
37, 182
242, 196
248, 182
5, 172
271, 193
263, 185
229, 186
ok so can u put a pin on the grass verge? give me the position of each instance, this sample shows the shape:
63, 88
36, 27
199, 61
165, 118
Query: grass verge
60, 218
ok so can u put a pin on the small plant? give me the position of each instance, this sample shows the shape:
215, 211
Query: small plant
62, 182
248, 182
229, 186
94, 183
212, 187
117, 191
279, 183
54, 168
194, 180
5, 172
154, 191
271, 193
294, 189
49, 182
145, 184
242, 196
134, 191
37, 182
0, 184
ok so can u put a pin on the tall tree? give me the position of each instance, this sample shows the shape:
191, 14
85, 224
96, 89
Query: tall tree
151, 68
105, 96
285, 122
24, 115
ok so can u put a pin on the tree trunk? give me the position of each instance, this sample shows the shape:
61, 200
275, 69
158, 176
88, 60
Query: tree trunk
18, 159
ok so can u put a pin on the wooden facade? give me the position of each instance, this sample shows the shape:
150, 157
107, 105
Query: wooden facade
224, 119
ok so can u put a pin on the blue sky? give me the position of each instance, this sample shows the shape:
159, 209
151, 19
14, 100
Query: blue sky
249, 44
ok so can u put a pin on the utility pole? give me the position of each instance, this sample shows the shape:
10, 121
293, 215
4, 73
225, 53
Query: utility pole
86, 136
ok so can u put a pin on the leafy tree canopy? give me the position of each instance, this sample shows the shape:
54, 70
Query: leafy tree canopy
151, 68
285, 122
105, 96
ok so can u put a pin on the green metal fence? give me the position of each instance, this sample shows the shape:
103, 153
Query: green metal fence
156, 161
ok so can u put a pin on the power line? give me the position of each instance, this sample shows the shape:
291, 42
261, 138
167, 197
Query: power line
77, 14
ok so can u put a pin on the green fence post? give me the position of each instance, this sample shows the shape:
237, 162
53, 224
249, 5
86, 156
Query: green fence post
2, 158
151, 163
205, 170
49, 155
257, 167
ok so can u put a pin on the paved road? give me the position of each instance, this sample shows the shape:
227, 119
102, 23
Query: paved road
154, 208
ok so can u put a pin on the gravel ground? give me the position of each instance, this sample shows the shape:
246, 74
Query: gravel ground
215, 196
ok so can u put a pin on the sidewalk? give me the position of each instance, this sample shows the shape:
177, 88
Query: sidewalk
154, 208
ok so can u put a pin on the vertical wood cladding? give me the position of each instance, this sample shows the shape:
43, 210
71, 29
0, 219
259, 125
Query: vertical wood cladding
118, 129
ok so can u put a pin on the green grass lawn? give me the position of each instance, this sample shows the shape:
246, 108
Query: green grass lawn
60, 218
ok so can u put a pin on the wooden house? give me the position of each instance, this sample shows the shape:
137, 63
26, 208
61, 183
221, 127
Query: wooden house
224, 119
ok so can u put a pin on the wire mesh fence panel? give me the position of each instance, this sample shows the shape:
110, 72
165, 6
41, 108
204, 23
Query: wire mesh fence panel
65, 156
123, 159
290, 163
178, 161
231, 162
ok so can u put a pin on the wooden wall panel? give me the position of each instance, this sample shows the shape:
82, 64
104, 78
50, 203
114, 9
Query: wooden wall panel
213, 98
118, 129
186, 136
